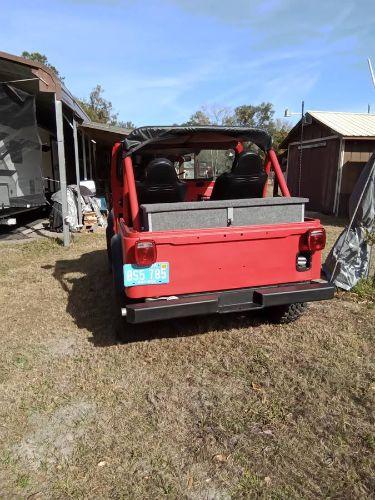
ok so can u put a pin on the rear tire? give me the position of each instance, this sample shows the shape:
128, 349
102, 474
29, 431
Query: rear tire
124, 331
286, 313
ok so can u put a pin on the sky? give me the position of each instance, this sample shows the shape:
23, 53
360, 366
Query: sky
161, 60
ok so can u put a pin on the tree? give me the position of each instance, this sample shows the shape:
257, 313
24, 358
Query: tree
279, 130
129, 124
246, 115
259, 116
98, 108
210, 115
198, 118
42, 59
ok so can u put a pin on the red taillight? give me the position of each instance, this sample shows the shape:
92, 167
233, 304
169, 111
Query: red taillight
145, 253
313, 240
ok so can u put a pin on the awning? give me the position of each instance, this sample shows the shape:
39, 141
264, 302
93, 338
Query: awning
104, 133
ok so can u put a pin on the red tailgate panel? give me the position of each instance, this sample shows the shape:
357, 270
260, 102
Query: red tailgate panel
224, 259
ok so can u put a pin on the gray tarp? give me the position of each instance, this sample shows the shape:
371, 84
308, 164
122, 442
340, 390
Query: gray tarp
21, 183
349, 259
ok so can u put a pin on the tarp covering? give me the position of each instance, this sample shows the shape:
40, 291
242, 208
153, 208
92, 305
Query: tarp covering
21, 183
190, 136
349, 258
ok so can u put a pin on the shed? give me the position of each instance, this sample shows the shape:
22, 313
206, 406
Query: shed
335, 148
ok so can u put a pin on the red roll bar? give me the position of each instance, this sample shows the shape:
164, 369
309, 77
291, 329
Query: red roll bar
133, 198
129, 193
116, 189
279, 174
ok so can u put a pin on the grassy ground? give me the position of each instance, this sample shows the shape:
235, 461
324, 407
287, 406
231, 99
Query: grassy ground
220, 407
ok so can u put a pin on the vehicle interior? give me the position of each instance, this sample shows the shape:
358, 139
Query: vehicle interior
191, 177
165, 179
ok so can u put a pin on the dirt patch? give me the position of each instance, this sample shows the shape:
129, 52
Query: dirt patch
60, 347
54, 437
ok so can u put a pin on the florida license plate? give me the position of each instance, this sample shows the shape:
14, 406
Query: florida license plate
156, 274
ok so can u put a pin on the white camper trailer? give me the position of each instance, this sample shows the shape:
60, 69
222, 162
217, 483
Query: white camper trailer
21, 181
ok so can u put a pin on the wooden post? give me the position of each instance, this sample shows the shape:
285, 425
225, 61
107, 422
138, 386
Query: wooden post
84, 155
78, 176
90, 157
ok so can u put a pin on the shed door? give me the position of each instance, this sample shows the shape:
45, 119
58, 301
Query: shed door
318, 173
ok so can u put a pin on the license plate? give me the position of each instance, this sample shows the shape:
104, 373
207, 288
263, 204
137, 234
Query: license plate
156, 274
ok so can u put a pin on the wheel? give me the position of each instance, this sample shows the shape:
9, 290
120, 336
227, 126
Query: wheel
109, 232
286, 313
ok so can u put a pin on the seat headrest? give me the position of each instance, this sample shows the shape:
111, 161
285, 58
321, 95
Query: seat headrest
248, 164
161, 171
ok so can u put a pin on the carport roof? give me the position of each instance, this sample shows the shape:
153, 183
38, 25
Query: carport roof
104, 132
34, 77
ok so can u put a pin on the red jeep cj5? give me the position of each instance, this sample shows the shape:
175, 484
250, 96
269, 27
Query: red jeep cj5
190, 246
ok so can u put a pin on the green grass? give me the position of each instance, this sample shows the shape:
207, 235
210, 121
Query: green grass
23, 480
365, 289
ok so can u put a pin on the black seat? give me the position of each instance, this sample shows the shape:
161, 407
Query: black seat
161, 183
246, 179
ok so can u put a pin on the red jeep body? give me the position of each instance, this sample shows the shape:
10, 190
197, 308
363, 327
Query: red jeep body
203, 259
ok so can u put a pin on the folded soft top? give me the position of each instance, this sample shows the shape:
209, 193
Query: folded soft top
195, 138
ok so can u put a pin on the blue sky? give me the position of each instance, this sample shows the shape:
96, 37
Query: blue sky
161, 60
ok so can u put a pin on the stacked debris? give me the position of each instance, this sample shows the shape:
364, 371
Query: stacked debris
91, 213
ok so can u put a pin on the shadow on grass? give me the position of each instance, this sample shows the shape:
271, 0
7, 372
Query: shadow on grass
88, 285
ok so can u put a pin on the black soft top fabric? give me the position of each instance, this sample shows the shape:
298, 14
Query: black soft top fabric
190, 136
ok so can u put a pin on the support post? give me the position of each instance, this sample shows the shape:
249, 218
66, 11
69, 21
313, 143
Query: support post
84, 155
62, 169
90, 157
78, 176
94, 159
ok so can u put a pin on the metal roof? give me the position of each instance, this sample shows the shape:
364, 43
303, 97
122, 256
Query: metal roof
104, 132
115, 129
347, 124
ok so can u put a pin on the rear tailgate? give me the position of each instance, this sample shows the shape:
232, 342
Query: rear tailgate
214, 259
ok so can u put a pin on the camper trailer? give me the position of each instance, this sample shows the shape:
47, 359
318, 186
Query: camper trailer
21, 179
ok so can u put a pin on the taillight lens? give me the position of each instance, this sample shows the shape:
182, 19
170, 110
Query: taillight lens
145, 253
313, 240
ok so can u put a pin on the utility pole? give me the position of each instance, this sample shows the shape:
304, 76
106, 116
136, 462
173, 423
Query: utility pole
371, 71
